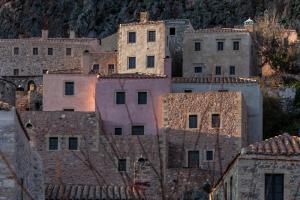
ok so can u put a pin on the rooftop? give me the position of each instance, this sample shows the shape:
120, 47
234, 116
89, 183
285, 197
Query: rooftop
280, 145
131, 76
211, 79
92, 192
66, 71
225, 30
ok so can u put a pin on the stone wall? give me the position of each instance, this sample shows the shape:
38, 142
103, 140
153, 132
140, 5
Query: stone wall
20, 165
7, 92
209, 57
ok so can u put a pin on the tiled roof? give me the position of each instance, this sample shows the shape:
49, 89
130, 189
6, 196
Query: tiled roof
212, 30
91, 192
50, 40
213, 80
142, 23
131, 76
66, 71
280, 145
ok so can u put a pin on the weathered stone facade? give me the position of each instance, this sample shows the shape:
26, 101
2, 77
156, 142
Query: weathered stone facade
245, 177
20, 166
7, 92
206, 49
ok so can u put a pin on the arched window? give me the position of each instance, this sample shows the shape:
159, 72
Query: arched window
30, 85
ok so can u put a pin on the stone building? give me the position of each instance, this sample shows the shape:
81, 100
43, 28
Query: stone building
264, 170
69, 90
249, 87
204, 131
218, 52
143, 45
21, 169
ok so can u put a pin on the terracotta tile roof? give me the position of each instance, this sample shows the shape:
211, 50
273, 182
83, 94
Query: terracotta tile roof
131, 76
50, 40
225, 30
66, 71
280, 145
213, 80
142, 23
91, 192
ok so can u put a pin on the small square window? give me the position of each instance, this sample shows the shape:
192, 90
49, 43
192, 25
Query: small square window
16, 50
150, 61
73, 143
197, 46
131, 37
120, 97
50, 51
232, 70
209, 156
35, 51
68, 51
111, 68
122, 165
69, 88
16, 72
137, 130
215, 120
172, 31
274, 186
118, 131
131, 63
218, 70
53, 143
236, 45
193, 159
193, 121
151, 36
142, 97
198, 70
188, 91
45, 71
96, 68
69, 109
220, 46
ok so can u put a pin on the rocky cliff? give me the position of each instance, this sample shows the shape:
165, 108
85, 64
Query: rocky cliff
99, 18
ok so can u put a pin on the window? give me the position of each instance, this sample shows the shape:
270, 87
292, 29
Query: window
50, 51
172, 31
232, 70
69, 88
45, 71
274, 186
150, 61
53, 143
209, 155
73, 143
220, 46
230, 188
193, 121
118, 131
69, 109
193, 159
16, 72
16, 50
35, 51
131, 37
236, 45
122, 165
131, 63
188, 91
111, 68
137, 130
218, 70
142, 97
120, 97
68, 51
197, 46
198, 69
151, 36
96, 68
215, 120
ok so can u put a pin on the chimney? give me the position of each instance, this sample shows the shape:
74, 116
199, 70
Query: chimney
72, 34
144, 17
44, 34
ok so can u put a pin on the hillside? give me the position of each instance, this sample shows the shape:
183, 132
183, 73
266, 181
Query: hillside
100, 18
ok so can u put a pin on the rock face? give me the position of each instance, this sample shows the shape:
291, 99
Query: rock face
101, 18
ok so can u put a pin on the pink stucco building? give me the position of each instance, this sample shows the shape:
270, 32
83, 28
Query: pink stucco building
131, 104
69, 90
